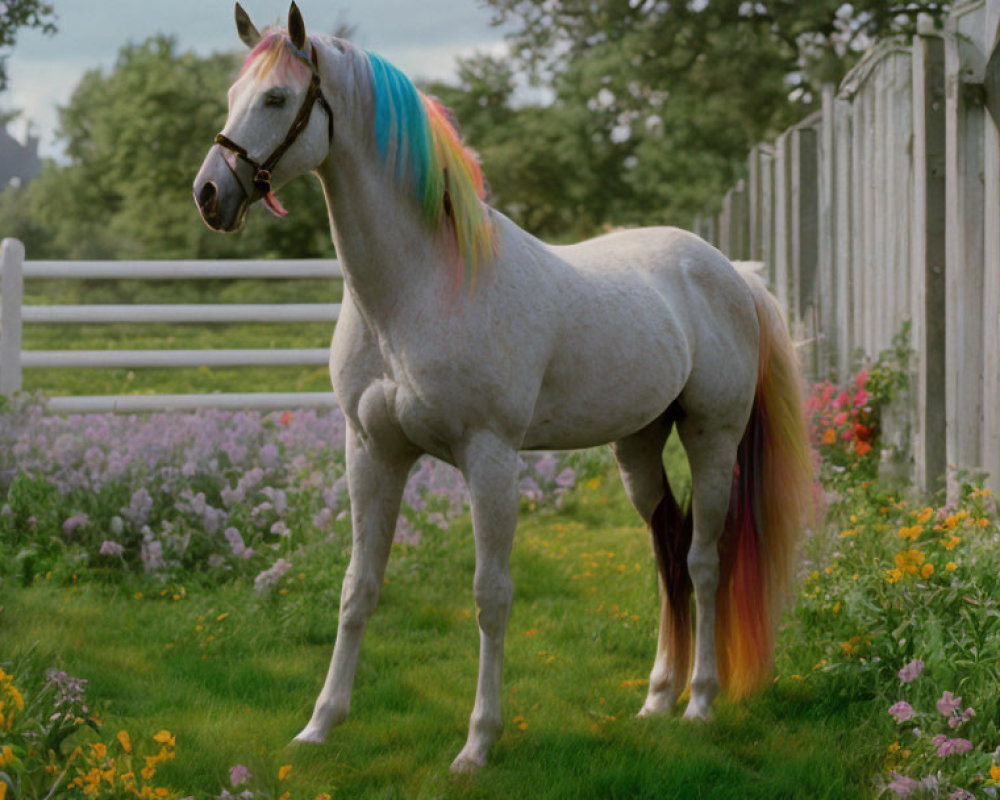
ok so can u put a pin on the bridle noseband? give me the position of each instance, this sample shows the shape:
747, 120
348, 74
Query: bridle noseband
259, 183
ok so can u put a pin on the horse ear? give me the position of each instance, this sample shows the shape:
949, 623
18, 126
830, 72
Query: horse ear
296, 27
245, 28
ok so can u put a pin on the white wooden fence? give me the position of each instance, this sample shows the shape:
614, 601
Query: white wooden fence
13, 314
884, 208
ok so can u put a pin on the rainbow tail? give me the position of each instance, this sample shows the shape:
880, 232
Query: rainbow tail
774, 496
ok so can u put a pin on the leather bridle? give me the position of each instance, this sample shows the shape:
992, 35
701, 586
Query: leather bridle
258, 183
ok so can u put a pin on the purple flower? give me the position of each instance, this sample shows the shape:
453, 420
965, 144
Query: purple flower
239, 775
961, 794
152, 555
78, 520
903, 785
566, 479
111, 548
901, 712
271, 576
911, 671
235, 541
546, 466
948, 704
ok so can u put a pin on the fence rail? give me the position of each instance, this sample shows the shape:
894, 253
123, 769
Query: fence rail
13, 315
883, 208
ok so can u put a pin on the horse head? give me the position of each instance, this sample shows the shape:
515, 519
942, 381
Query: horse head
280, 124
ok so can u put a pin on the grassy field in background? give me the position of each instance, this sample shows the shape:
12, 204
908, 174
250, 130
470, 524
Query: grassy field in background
233, 677
79, 381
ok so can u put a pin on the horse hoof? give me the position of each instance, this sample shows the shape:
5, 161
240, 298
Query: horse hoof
467, 763
698, 713
658, 705
310, 735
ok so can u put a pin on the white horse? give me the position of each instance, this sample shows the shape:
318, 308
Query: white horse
464, 337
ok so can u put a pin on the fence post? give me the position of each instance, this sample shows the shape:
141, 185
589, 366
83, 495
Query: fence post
11, 294
928, 279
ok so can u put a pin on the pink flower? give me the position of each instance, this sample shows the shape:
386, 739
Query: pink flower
911, 671
961, 719
239, 775
947, 747
901, 712
861, 378
948, 704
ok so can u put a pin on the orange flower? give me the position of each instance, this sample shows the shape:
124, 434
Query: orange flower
927, 570
951, 566
925, 515
125, 741
911, 532
893, 575
164, 738
99, 750
995, 772
829, 436
862, 447
283, 771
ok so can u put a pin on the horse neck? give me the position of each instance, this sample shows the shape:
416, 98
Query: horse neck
386, 251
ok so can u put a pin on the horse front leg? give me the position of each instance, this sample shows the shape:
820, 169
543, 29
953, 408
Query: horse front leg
375, 479
490, 468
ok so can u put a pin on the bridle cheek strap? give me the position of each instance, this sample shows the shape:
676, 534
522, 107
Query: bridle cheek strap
255, 177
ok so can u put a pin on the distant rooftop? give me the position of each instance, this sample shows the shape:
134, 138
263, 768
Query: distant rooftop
19, 163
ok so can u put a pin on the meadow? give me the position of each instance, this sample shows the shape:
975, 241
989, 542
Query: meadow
169, 603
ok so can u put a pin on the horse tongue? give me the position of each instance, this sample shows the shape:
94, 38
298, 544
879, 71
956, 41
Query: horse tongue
274, 205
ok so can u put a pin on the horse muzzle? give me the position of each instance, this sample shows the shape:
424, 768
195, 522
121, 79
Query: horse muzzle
221, 199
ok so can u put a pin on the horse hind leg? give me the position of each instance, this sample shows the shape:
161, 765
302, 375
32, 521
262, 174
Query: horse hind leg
640, 463
711, 446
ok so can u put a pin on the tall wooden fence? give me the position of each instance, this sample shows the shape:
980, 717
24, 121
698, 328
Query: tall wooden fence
883, 208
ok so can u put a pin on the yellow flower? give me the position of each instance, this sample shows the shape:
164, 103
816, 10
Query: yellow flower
164, 738
125, 741
951, 566
283, 771
893, 575
994, 774
927, 570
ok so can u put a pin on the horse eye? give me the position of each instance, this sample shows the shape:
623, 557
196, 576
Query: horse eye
274, 100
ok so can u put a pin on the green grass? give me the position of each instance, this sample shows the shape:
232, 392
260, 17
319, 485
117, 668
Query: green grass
582, 631
79, 381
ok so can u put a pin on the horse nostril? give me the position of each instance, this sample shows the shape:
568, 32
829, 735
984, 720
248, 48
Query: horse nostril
208, 197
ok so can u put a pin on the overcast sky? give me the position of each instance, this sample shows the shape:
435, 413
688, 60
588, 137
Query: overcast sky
421, 37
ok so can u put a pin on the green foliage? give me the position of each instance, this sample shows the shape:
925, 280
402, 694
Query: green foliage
235, 675
895, 581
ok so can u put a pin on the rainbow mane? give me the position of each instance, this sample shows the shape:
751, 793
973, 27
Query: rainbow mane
276, 54
415, 135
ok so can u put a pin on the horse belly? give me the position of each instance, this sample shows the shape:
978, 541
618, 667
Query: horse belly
607, 382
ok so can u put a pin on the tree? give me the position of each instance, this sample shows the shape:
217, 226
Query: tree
134, 139
16, 14
675, 93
